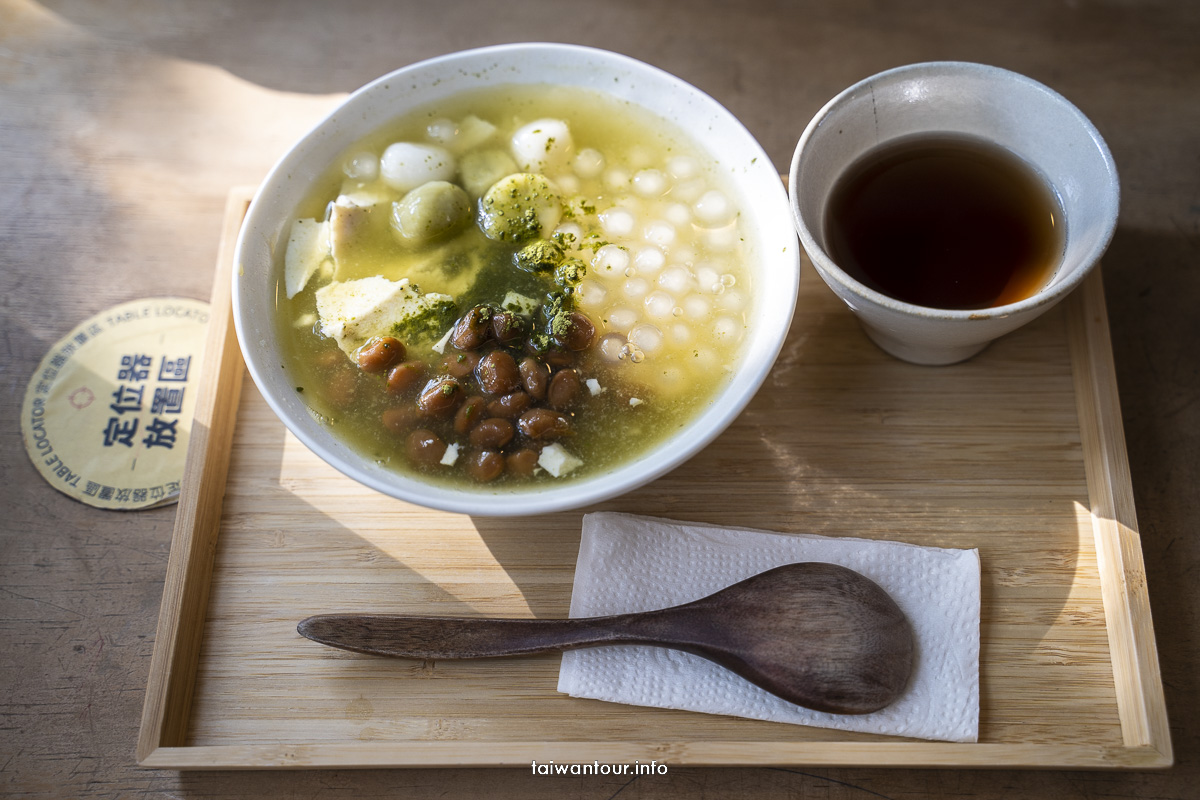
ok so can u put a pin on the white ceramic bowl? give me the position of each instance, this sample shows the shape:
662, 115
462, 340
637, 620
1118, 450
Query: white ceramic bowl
774, 255
1011, 110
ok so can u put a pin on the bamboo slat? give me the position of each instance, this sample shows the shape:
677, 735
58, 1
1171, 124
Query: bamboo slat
1018, 452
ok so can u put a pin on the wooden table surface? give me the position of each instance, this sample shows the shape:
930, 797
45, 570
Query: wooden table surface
123, 125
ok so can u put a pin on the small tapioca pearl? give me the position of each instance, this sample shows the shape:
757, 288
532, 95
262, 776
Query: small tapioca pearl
610, 260
649, 183
588, 163
649, 260
617, 221
659, 305
713, 208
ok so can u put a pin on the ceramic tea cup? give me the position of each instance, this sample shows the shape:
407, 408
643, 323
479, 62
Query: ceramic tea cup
986, 103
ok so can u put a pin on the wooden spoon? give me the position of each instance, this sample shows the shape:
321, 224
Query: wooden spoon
817, 635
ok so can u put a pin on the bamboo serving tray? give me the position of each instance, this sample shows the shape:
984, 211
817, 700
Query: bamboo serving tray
1018, 452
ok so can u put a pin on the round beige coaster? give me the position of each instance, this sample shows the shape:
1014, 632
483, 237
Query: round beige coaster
108, 412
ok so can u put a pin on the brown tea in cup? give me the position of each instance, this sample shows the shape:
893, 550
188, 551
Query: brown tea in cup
945, 221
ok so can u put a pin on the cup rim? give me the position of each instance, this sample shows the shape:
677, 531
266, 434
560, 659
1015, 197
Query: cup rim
829, 269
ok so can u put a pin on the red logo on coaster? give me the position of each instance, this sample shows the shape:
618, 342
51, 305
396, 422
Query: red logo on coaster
82, 397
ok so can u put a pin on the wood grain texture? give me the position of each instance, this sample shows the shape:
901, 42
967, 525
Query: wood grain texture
124, 124
1118, 546
198, 521
989, 454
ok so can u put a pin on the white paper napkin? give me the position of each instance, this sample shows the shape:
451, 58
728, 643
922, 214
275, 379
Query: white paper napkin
630, 563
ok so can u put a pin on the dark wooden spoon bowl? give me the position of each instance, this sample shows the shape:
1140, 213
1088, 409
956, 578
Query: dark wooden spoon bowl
818, 635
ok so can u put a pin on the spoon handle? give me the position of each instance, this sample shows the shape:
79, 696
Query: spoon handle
469, 637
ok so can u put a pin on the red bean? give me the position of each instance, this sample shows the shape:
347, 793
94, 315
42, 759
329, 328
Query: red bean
510, 405
473, 329
460, 365
535, 377
522, 462
498, 373
558, 358
542, 423
579, 333
507, 326
403, 377
493, 433
378, 354
425, 448
485, 465
341, 387
399, 420
469, 414
564, 389
440, 397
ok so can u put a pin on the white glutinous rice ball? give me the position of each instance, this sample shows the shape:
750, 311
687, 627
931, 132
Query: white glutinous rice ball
441, 131
678, 214
621, 318
543, 145
676, 280
405, 166
705, 359
683, 167
649, 183
647, 337
709, 279
636, 288
361, 166
659, 305
727, 329
591, 293
569, 235
616, 178
611, 346
617, 221
589, 163
680, 334
660, 233
696, 307
713, 208
610, 260
649, 260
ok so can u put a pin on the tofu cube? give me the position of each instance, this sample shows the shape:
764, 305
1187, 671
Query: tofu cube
354, 311
519, 303
556, 460
307, 250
